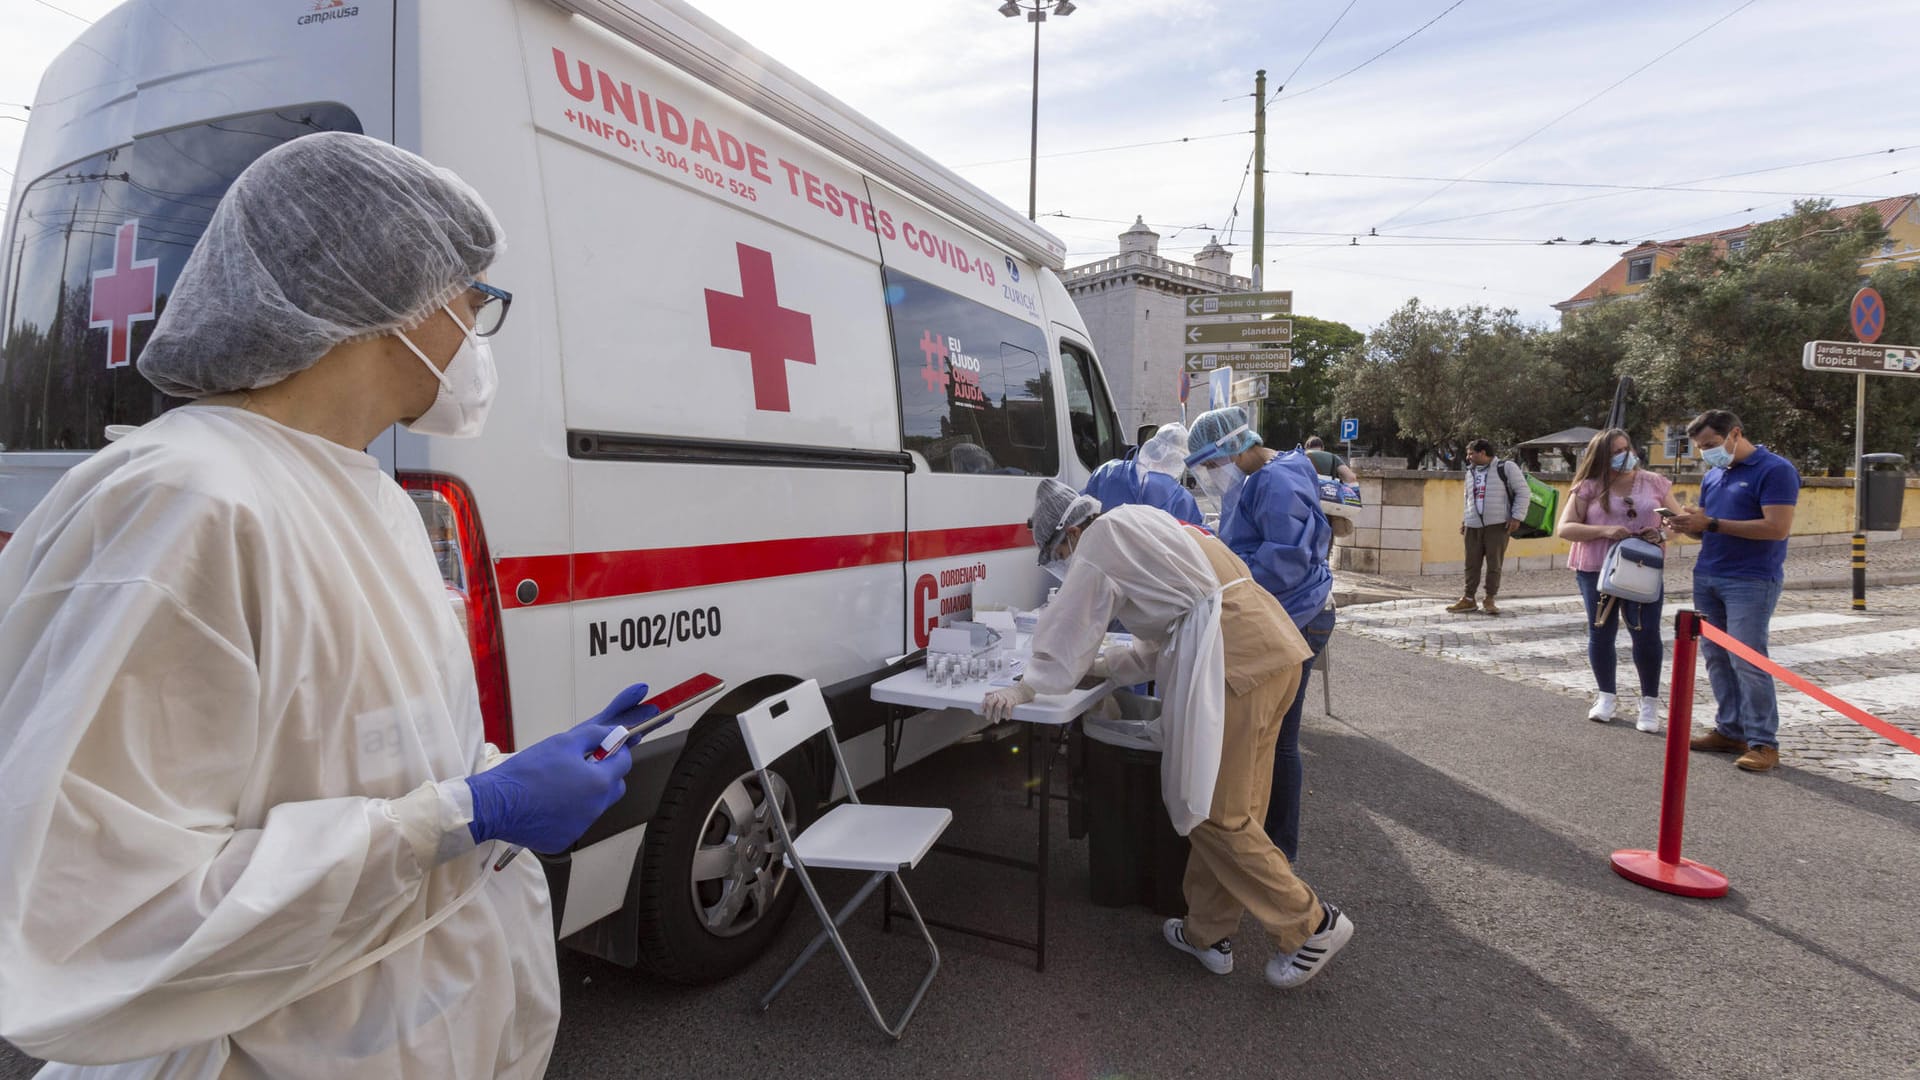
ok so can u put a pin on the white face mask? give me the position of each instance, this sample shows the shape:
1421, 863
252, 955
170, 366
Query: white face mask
1217, 481
467, 386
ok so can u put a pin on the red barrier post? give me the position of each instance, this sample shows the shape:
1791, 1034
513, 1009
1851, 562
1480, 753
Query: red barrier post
1665, 870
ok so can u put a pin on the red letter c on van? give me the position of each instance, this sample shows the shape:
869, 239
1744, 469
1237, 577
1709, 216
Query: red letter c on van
926, 592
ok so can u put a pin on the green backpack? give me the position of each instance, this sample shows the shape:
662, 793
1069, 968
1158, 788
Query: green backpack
1543, 506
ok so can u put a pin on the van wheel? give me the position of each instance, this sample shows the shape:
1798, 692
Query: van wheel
712, 888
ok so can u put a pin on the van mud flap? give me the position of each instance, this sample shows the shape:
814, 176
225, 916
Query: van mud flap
653, 762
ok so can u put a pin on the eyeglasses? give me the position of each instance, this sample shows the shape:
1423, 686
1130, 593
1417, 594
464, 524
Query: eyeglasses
1631, 512
490, 313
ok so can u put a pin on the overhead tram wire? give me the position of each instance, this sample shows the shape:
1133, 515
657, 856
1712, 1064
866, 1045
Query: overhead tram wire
1557, 184
1609, 88
64, 11
1233, 216
1323, 85
1757, 206
1109, 149
1338, 233
1616, 194
1316, 48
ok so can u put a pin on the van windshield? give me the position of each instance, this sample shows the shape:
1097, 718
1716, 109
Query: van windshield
94, 249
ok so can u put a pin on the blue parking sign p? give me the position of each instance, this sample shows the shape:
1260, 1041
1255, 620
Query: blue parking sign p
1350, 429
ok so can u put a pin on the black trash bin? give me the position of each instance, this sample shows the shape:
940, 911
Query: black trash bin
1133, 854
1886, 490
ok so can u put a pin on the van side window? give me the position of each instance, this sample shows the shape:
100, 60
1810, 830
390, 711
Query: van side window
975, 396
1096, 435
96, 247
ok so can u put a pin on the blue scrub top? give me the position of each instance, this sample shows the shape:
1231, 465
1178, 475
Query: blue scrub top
1739, 492
1118, 483
1279, 530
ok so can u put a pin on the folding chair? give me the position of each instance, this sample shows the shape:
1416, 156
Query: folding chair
881, 840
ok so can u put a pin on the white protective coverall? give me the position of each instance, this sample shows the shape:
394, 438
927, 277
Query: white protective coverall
235, 717
1140, 565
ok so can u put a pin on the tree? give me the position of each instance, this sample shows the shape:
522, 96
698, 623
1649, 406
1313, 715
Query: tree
1299, 400
1725, 330
1427, 380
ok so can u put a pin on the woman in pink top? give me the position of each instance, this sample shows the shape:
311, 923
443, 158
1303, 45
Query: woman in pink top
1613, 498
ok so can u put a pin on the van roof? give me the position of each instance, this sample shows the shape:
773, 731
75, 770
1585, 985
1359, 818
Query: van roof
103, 67
709, 52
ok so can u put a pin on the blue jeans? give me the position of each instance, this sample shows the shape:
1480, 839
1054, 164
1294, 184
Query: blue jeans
1743, 607
1643, 626
1283, 807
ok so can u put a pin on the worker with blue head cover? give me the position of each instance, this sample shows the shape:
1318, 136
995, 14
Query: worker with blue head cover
1270, 516
1149, 476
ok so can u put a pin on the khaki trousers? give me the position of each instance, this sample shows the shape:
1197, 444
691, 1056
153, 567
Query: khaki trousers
1234, 867
1488, 544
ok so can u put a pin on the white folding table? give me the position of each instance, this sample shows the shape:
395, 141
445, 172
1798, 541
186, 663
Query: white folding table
1049, 715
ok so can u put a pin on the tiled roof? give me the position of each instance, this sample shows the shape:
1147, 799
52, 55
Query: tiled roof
1615, 279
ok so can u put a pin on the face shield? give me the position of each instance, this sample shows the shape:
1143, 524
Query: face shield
1222, 449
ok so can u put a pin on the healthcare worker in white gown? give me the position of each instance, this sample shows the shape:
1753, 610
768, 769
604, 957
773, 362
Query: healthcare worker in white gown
1226, 659
247, 814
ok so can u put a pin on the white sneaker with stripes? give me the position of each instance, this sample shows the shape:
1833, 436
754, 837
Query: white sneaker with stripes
1217, 958
1288, 970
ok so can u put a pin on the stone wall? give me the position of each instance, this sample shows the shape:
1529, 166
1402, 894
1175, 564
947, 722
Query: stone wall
1411, 522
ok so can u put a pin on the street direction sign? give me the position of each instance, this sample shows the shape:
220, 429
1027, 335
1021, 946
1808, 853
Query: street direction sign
1250, 389
1867, 314
1350, 429
1853, 358
1246, 303
1243, 334
1266, 360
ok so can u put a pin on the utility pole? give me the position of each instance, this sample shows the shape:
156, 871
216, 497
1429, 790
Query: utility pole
1259, 177
1033, 142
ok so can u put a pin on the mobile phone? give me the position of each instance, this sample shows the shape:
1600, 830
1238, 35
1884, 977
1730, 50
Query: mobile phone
674, 699
1664, 512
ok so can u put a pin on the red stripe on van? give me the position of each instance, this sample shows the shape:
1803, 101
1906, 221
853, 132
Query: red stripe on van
560, 579
945, 543
4, 537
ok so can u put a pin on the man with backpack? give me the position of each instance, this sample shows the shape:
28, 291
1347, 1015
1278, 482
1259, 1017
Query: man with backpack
1496, 504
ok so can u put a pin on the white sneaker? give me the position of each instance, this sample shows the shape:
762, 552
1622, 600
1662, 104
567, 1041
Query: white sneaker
1602, 710
1289, 970
1649, 721
1217, 958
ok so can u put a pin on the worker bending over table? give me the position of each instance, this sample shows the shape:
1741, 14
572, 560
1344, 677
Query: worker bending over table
1227, 659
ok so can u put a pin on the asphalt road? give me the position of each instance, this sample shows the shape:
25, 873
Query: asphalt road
1464, 822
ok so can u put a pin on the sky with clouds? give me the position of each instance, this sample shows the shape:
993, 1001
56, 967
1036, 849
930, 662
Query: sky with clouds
1645, 93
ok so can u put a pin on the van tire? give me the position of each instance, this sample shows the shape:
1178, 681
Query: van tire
675, 942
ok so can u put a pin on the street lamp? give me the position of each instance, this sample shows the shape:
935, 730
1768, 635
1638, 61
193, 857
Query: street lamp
1036, 14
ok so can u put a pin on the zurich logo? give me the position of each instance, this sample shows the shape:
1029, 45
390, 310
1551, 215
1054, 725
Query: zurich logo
1013, 269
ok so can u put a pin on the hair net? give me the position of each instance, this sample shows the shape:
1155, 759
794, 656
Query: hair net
1166, 452
1057, 508
1206, 443
325, 239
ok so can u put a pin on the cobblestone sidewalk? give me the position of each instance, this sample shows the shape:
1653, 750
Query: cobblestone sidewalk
1872, 660
1829, 566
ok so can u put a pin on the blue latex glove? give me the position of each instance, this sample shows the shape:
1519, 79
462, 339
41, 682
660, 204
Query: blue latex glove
545, 796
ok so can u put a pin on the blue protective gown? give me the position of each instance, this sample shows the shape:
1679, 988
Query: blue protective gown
1118, 483
1276, 526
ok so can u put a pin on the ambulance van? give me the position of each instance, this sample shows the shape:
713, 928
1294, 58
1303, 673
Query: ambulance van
776, 388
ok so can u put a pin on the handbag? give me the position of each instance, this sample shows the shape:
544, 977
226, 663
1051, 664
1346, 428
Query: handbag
1634, 571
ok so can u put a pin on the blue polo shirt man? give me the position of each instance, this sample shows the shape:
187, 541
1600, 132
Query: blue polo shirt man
1747, 498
